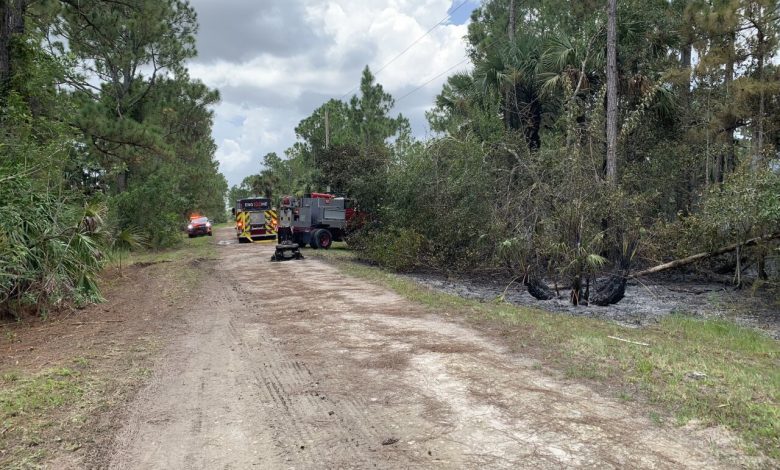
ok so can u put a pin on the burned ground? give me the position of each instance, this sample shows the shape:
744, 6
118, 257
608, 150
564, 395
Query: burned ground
645, 303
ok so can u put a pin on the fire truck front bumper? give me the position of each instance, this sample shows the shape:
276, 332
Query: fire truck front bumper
257, 234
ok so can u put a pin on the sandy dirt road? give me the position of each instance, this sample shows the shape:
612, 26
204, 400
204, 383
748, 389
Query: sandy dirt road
350, 375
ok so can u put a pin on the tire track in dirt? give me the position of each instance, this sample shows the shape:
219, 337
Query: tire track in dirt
204, 391
294, 365
303, 407
275, 387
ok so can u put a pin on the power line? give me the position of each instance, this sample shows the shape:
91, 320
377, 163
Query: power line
432, 79
449, 15
488, 46
414, 43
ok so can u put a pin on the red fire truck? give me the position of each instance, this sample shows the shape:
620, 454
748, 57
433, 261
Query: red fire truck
319, 219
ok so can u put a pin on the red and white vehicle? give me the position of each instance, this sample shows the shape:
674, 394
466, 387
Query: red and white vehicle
198, 225
319, 219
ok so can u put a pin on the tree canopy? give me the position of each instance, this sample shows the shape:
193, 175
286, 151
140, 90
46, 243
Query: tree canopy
106, 140
586, 137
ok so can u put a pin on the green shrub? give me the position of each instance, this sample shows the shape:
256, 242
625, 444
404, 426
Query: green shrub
156, 206
398, 250
50, 255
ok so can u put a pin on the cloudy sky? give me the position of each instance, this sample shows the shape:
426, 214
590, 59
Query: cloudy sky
275, 61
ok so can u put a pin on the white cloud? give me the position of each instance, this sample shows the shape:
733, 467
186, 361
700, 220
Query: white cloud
247, 133
310, 51
231, 156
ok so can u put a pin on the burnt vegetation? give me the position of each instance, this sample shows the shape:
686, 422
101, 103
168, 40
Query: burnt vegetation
588, 142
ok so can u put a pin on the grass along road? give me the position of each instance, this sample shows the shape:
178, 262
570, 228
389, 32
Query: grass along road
712, 372
64, 381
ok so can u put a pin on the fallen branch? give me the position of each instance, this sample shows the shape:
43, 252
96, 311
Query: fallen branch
502, 297
627, 341
700, 256
690, 291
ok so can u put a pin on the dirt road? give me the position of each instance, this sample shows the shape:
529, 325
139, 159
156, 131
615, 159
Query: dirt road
350, 375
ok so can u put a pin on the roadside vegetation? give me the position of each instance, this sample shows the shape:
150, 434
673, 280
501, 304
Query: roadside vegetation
588, 141
104, 147
201, 248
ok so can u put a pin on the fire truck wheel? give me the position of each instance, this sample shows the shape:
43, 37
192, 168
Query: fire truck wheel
313, 239
323, 239
242, 240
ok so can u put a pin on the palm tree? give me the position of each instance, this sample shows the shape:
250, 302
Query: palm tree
127, 239
509, 72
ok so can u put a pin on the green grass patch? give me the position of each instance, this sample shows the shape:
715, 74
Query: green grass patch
48, 412
710, 370
188, 249
21, 396
337, 252
28, 406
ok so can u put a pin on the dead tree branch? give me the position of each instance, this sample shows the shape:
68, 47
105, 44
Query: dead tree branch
701, 256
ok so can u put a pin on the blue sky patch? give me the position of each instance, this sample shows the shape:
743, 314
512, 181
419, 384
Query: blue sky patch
462, 14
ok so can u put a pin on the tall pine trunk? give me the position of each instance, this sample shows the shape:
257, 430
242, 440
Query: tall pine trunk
686, 63
612, 93
512, 21
727, 158
685, 200
508, 98
11, 23
758, 144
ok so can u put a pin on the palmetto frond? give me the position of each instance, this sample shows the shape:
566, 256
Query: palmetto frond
93, 216
131, 238
595, 261
559, 52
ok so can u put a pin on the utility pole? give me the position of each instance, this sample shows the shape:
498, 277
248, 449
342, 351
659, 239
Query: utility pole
612, 95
